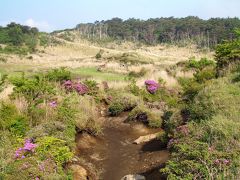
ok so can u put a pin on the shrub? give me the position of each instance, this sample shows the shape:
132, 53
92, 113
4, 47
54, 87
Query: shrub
58, 75
35, 90
67, 114
227, 54
87, 116
141, 73
92, 87
151, 86
172, 120
99, 54
213, 99
143, 114
19, 125
79, 87
116, 108
208, 151
11, 120
123, 102
190, 88
205, 75
199, 65
51, 147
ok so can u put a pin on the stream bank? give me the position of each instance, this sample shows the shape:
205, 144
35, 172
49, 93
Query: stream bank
114, 155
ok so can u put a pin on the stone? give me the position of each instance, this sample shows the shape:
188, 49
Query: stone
79, 173
147, 138
133, 177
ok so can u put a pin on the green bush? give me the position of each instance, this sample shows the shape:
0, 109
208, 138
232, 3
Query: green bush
227, 55
51, 147
34, 90
123, 102
19, 126
207, 151
215, 99
92, 87
11, 120
199, 65
99, 54
67, 114
205, 75
58, 75
148, 116
190, 88
172, 120
115, 108
141, 73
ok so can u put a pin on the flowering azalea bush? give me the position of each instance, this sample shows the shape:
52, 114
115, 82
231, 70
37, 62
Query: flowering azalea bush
79, 87
151, 86
28, 148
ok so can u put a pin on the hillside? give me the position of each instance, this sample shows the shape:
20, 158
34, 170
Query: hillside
77, 107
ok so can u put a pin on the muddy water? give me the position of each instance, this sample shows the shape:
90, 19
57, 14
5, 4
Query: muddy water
114, 155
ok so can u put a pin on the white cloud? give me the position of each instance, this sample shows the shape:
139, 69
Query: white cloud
41, 25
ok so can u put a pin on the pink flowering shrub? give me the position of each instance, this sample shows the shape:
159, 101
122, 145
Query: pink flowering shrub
79, 87
151, 86
29, 147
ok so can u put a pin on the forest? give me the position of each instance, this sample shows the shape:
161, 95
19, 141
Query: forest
204, 33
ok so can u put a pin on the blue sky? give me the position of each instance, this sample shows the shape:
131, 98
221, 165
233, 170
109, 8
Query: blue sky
50, 15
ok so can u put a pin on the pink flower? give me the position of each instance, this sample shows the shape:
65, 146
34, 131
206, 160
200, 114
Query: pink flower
226, 162
151, 86
75, 86
53, 104
41, 167
28, 146
217, 161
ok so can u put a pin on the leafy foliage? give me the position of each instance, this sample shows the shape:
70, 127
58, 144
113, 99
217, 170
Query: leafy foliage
227, 54
50, 147
58, 75
16, 36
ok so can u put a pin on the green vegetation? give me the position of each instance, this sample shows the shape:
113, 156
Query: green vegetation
19, 39
147, 116
122, 102
199, 117
91, 72
39, 124
182, 31
204, 135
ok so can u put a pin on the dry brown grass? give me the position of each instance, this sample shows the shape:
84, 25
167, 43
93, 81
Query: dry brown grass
81, 53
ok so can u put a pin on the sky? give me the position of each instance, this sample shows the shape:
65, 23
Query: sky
49, 15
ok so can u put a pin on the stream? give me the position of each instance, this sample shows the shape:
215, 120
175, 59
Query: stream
114, 155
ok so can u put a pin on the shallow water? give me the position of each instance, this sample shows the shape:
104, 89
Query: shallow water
114, 155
